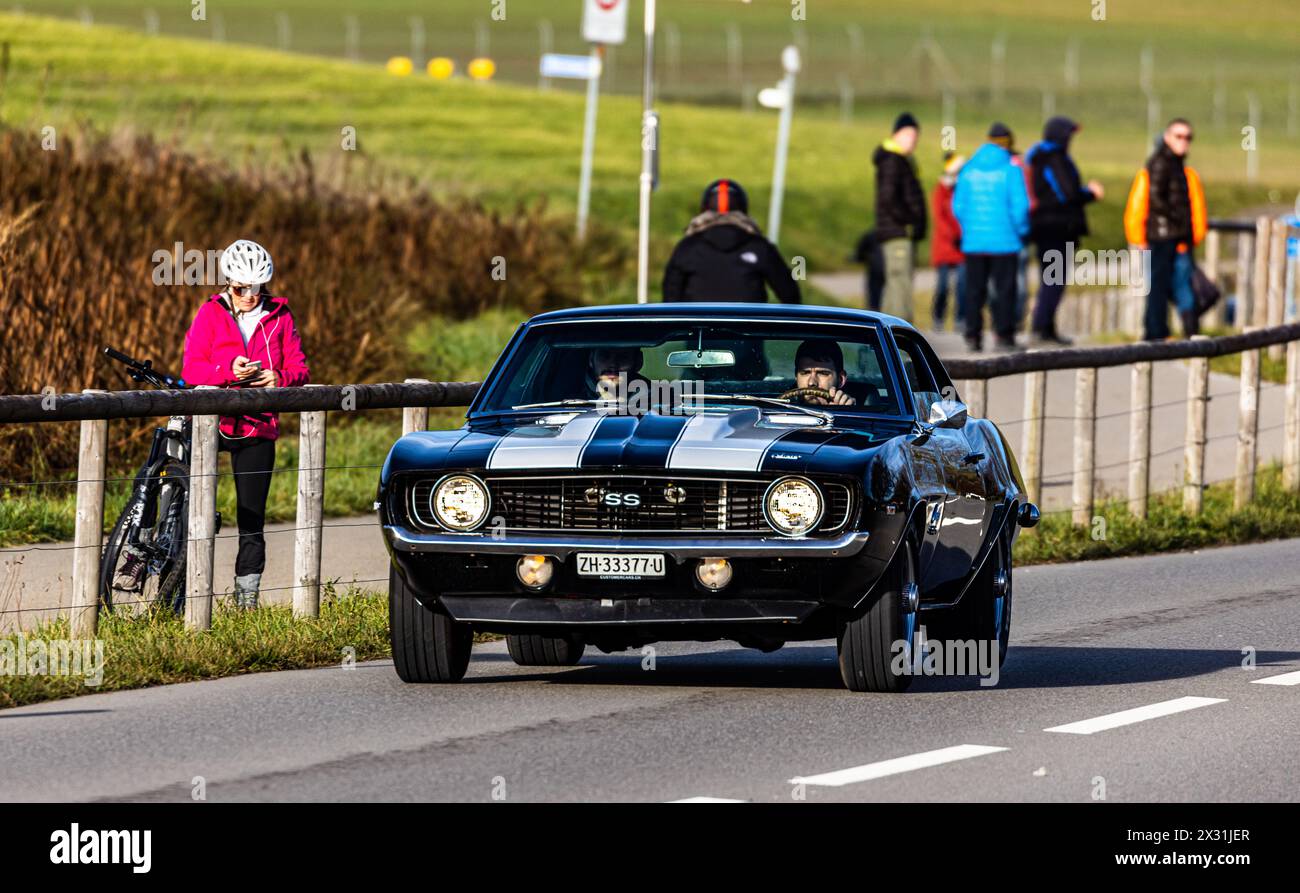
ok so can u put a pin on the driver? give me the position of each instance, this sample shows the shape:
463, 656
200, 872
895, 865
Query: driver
819, 363
605, 366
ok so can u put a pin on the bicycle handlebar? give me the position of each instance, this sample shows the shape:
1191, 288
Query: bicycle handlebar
144, 371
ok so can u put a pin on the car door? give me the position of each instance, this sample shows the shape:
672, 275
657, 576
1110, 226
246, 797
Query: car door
957, 525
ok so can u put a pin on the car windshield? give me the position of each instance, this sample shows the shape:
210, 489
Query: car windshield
695, 364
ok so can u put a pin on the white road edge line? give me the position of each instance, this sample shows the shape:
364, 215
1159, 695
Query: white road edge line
897, 765
1284, 679
1137, 714
706, 800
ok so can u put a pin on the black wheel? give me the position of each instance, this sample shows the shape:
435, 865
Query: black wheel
428, 645
544, 651
984, 612
159, 518
869, 660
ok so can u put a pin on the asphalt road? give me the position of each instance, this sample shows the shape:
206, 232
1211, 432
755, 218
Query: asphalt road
1151, 635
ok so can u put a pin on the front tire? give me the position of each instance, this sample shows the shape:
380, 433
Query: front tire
529, 650
984, 612
867, 640
428, 645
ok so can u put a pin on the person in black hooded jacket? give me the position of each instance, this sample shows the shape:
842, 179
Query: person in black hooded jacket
1057, 220
724, 256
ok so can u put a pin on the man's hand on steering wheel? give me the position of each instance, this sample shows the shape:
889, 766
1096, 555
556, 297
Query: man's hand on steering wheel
820, 396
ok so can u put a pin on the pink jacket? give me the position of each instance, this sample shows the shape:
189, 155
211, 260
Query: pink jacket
214, 341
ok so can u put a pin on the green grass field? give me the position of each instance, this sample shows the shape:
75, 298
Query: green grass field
507, 143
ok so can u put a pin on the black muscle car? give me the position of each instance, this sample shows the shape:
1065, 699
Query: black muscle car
759, 473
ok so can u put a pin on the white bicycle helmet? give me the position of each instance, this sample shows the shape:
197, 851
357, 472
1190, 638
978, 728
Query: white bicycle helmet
247, 263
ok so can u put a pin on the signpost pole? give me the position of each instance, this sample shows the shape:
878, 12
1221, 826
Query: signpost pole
589, 140
790, 60
649, 138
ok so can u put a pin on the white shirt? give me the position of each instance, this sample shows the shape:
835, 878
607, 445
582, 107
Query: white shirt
248, 321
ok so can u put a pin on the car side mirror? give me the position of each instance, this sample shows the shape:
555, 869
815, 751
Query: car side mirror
948, 414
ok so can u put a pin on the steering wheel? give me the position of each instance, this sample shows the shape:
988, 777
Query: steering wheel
805, 393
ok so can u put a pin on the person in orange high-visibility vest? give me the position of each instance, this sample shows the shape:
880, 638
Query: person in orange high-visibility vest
1166, 216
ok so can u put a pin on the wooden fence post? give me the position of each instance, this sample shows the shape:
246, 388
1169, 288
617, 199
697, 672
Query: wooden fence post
976, 391
1247, 429
1135, 303
202, 542
415, 418
1213, 254
92, 468
1139, 441
1245, 261
1085, 443
1259, 303
1034, 411
311, 512
1277, 282
1198, 385
1291, 430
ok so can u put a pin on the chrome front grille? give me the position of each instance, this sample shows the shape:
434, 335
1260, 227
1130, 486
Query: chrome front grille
662, 504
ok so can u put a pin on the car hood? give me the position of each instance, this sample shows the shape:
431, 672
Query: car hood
740, 441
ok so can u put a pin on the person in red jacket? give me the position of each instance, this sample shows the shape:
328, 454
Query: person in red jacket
243, 337
945, 245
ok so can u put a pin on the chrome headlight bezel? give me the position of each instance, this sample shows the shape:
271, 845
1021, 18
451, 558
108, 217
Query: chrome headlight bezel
473, 480
787, 530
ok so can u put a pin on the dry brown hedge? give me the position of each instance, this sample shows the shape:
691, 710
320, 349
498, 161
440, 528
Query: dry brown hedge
359, 262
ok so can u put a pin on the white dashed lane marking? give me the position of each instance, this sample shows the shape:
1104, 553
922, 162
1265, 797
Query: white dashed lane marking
706, 800
1284, 679
897, 765
1137, 714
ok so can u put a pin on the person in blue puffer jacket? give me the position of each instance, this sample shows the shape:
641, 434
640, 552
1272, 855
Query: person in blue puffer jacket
991, 203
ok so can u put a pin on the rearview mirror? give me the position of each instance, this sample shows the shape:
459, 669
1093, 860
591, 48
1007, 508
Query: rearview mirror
696, 359
948, 414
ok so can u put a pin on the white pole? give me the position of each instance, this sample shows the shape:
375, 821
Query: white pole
545, 39
1072, 64
648, 138
790, 60
1252, 156
417, 41
588, 143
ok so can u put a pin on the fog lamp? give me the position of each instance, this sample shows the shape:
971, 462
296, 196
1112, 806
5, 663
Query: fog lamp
713, 573
535, 571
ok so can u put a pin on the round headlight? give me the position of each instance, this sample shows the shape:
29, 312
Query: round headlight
793, 506
460, 502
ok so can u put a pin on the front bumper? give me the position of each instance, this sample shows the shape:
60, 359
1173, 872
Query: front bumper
678, 548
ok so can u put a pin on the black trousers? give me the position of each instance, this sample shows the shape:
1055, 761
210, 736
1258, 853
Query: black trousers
1001, 268
1155, 322
252, 459
1049, 293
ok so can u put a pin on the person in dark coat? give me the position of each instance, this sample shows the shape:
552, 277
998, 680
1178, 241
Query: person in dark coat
1057, 221
900, 213
724, 256
1166, 214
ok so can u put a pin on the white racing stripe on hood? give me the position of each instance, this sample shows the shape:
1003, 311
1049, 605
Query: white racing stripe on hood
545, 446
724, 442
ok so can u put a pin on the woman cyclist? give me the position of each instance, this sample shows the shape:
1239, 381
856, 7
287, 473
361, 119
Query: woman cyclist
243, 337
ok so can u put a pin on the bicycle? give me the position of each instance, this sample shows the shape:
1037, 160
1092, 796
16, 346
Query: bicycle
143, 565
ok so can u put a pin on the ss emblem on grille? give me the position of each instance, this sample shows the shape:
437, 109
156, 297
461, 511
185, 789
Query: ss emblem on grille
627, 499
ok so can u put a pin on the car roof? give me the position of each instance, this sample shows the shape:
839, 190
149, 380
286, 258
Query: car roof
701, 310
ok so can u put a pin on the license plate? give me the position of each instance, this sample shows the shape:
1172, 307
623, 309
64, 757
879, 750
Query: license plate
620, 566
